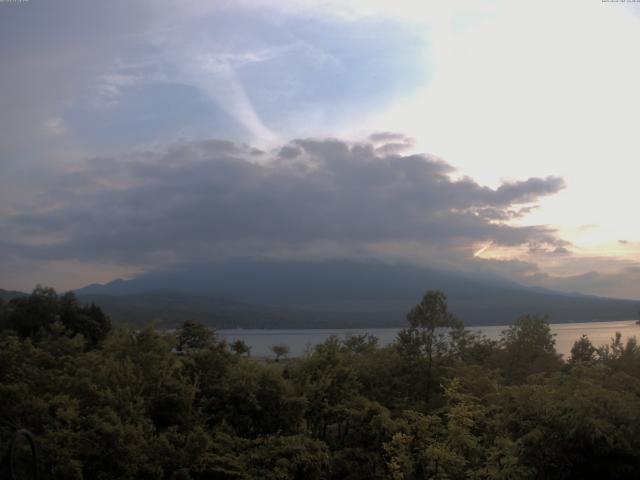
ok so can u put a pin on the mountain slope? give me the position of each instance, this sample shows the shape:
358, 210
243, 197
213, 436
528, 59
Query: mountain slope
171, 308
333, 294
9, 294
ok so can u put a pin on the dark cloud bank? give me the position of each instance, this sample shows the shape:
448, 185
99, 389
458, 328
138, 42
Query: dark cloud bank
314, 198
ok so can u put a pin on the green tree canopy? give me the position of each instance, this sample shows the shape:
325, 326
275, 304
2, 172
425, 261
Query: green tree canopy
427, 339
193, 335
36, 315
583, 351
528, 347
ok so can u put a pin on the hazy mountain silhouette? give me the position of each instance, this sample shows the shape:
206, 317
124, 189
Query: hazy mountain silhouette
334, 293
9, 294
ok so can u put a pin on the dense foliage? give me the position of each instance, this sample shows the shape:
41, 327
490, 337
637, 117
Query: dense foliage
439, 403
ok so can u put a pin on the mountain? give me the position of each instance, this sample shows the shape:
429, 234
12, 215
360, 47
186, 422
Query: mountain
349, 294
9, 294
169, 309
301, 283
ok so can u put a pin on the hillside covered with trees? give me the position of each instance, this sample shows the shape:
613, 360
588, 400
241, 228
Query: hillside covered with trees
439, 403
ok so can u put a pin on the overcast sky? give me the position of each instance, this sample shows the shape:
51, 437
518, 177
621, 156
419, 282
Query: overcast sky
498, 136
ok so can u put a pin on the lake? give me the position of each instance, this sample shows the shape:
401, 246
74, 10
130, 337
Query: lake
566, 334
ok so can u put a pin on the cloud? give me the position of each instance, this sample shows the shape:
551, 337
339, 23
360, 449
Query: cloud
623, 283
218, 78
390, 142
309, 198
529, 190
292, 71
563, 271
55, 51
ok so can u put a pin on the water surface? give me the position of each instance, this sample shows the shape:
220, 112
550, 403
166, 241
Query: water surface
299, 340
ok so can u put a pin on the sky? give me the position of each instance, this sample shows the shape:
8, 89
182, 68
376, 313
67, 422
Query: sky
496, 137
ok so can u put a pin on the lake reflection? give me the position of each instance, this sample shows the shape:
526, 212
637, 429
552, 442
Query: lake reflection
299, 340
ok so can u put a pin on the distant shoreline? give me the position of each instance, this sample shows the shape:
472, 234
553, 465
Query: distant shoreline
300, 338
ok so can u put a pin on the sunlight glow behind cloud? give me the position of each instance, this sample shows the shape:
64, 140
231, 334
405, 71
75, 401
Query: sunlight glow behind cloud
538, 87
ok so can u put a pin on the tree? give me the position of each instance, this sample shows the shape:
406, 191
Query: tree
621, 356
578, 424
256, 400
87, 320
583, 351
282, 457
425, 338
193, 335
330, 385
45, 313
279, 350
360, 344
33, 315
240, 347
425, 319
528, 347
4, 313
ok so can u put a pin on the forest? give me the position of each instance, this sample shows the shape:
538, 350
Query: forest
441, 402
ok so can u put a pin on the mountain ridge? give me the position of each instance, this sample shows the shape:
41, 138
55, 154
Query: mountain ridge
341, 293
